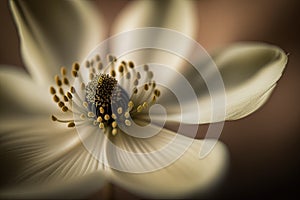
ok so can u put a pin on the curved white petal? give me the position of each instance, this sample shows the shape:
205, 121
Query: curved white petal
180, 177
172, 14
74, 189
41, 159
55, 33
250, 72
21, 96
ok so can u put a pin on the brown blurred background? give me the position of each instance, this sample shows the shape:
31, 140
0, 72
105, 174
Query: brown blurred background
264, 147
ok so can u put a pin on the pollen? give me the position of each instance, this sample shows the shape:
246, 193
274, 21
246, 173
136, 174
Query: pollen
114, 96
99, 90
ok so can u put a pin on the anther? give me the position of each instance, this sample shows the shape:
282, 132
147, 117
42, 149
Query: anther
82, 116
106, 117
91, 114
145, 104
130, 105
63, 71
72, 89
157, 93
52, 90
66, 98
153, 99
61, 91
85, 104
71, 124
69, 95
146, 87
66, 81
99, 119
53, 118
95, 122
76, 66
64, 109
126, 115
146, 67
153, 84
101, 125
127, 122
121, 68
57, 80
123, 63
74, 74
55, 98
139, 108
114, 124
131, 64
101, 109
113, 73
114, 131
120, 110
61, 104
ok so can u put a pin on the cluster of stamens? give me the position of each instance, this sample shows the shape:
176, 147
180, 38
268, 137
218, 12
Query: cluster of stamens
104, 100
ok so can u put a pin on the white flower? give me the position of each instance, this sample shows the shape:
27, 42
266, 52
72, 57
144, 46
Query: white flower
43, 159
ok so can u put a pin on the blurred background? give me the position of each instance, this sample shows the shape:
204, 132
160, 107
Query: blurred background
264, 147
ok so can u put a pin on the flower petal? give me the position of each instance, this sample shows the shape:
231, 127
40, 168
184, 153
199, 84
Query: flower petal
55, 33
163, 168
75, 189
155, 14
21, 96
249, 71
177, 15
41, 160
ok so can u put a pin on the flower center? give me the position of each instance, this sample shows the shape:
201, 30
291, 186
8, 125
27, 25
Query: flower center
99, 93
102, 95
104, 101
99, 90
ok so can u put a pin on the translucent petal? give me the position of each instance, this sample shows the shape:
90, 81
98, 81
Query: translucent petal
21, 96
177, 15
250, 72
166, 165
55, 33
155, 14
41, 159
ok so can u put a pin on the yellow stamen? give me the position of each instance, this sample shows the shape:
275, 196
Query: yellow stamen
127, 122
52, 90
71, 124
63, 71
114, 131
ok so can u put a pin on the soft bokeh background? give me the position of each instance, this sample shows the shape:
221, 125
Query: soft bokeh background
264, 147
